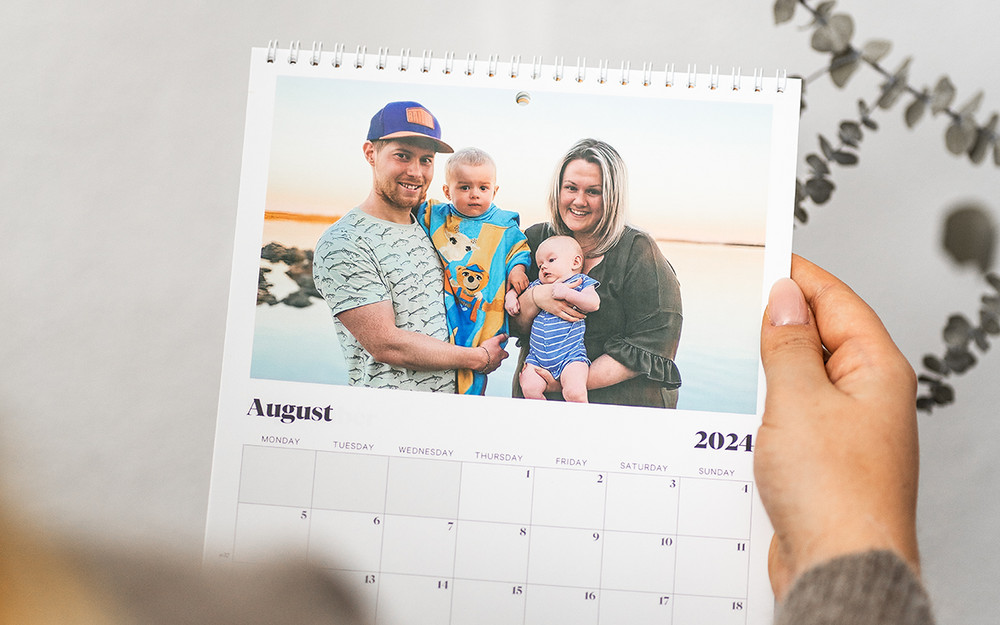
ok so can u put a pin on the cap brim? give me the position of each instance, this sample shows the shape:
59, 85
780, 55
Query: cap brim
440, 146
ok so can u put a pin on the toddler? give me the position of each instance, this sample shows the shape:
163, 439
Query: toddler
484, 252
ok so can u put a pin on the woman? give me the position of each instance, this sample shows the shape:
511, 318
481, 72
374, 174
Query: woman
632, 339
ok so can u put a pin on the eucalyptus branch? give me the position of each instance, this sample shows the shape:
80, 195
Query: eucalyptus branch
832, 33
960, 335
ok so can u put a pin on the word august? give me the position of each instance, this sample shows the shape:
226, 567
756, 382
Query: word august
289, 413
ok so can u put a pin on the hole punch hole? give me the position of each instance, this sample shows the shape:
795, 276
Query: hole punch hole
523, 98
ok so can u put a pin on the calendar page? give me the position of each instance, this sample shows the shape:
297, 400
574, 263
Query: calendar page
434, 505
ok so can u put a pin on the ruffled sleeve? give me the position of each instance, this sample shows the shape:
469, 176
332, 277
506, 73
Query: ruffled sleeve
656, 367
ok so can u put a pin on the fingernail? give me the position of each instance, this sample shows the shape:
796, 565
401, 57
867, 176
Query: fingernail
786, 306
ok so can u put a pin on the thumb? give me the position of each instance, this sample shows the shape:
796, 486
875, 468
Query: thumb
790, 347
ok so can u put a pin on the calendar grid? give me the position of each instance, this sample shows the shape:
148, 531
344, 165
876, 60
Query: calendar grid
465, 507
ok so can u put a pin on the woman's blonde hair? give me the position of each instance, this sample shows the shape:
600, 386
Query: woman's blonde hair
614, 192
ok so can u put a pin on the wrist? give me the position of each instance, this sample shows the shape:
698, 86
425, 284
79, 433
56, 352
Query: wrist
847, 538
488, 362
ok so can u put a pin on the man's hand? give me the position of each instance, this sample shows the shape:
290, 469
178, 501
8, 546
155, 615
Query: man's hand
495, 351
836, 459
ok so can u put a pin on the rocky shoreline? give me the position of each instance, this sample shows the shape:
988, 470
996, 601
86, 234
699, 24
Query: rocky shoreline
300, 263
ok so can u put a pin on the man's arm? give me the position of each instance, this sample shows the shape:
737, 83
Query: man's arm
374, 325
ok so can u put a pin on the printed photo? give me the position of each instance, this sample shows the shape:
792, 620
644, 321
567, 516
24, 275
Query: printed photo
612, 244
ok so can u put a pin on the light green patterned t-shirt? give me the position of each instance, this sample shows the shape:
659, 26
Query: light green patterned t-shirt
363, 260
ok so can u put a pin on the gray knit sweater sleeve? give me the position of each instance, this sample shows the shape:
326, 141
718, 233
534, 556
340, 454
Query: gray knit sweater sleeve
873, 588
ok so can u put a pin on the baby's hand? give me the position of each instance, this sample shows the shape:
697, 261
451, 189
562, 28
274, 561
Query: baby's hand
517, 279
511, 304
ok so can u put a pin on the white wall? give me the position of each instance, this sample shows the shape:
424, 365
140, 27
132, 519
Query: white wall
120, 140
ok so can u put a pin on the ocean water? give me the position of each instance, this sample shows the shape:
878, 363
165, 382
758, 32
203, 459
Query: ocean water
721, 289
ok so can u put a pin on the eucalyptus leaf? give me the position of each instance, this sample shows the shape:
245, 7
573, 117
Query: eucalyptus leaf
979, 336
996, 152
801, 215
819, 189
825, 146
960, 136
865, 114
845, 158
957, 332
817, 164
971, 106
800, 191
960, 360
985, 139
822, 40
915, 111
943, 394
894, 86
784, 10
989, 322
875, 50
843, 65
834, 35
850, 133
991, 304
843, 25
824, 9
934, 364
942, 96
970, 236
994, 280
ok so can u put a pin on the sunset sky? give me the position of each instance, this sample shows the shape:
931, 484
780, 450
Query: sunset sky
698, 164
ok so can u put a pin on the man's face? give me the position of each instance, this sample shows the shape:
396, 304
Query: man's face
402, 171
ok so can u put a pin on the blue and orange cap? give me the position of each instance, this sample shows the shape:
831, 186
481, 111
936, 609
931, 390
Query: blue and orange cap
407, 119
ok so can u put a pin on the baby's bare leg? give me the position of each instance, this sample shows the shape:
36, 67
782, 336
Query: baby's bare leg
533, 382
574, 381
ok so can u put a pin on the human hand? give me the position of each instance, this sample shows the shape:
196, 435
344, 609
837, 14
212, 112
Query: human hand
495, 351
543, 297
561, 291
836, 458
511, 303
517, 279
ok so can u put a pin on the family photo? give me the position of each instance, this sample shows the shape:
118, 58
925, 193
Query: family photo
538, 245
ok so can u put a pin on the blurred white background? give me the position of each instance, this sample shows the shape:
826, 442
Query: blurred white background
121, 127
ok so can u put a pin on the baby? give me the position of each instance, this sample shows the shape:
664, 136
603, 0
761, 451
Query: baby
484, 252
557, 351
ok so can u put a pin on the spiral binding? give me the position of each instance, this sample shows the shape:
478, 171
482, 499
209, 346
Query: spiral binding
427, 61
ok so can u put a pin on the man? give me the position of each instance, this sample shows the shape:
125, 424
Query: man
380, 274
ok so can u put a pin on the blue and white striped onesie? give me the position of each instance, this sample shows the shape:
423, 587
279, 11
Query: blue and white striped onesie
556, 342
